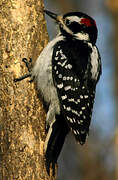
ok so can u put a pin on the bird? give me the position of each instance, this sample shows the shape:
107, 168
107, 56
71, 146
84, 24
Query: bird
66, 74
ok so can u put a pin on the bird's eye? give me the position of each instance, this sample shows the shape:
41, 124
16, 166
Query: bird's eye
67, 22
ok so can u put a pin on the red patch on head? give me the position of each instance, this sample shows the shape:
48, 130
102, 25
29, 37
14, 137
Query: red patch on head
88, 22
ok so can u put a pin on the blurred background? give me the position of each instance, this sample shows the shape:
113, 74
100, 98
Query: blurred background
98, 158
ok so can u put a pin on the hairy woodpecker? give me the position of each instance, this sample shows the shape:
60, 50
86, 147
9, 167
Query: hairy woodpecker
66, 74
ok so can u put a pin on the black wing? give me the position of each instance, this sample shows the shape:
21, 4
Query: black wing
75, 88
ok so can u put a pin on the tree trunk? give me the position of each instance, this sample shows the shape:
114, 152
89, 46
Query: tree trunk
22, 118
113, 6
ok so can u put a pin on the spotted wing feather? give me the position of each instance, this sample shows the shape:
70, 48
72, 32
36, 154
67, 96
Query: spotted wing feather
75, 95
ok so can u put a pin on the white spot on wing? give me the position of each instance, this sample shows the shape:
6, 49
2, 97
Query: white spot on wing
60, 85
68, 108
57, 72
74, 120
75, 132
80, 112
81, 96
55, 68
57, 52
71, 100
62, 64
64, 97
67, 88
64, 78
78, 122
71, 78
85, 96
63, 57
64, 106
81, 121
69, 119
60, 75
75, 112
56, 58
61, 52
68, 66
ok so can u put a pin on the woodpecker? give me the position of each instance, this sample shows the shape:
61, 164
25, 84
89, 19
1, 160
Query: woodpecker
66, 74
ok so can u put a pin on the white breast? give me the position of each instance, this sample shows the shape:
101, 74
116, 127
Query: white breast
42, 73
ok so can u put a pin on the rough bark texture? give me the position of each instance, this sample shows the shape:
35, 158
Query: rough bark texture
113, 6
22, 118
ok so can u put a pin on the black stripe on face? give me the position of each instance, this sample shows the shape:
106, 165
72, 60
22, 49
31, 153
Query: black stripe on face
75, 27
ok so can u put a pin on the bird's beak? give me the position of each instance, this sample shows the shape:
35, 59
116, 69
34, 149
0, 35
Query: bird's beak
52, 15
57, 18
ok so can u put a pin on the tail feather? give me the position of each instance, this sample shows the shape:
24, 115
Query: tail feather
56, 136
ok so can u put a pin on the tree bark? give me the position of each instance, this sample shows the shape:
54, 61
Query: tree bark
22, 118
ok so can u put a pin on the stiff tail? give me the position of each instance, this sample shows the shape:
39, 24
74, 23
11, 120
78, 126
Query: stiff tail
54, 141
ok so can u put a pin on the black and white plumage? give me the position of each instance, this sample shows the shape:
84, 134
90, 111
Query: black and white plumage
66, 74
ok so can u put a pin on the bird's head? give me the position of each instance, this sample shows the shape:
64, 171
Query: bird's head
76, 25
